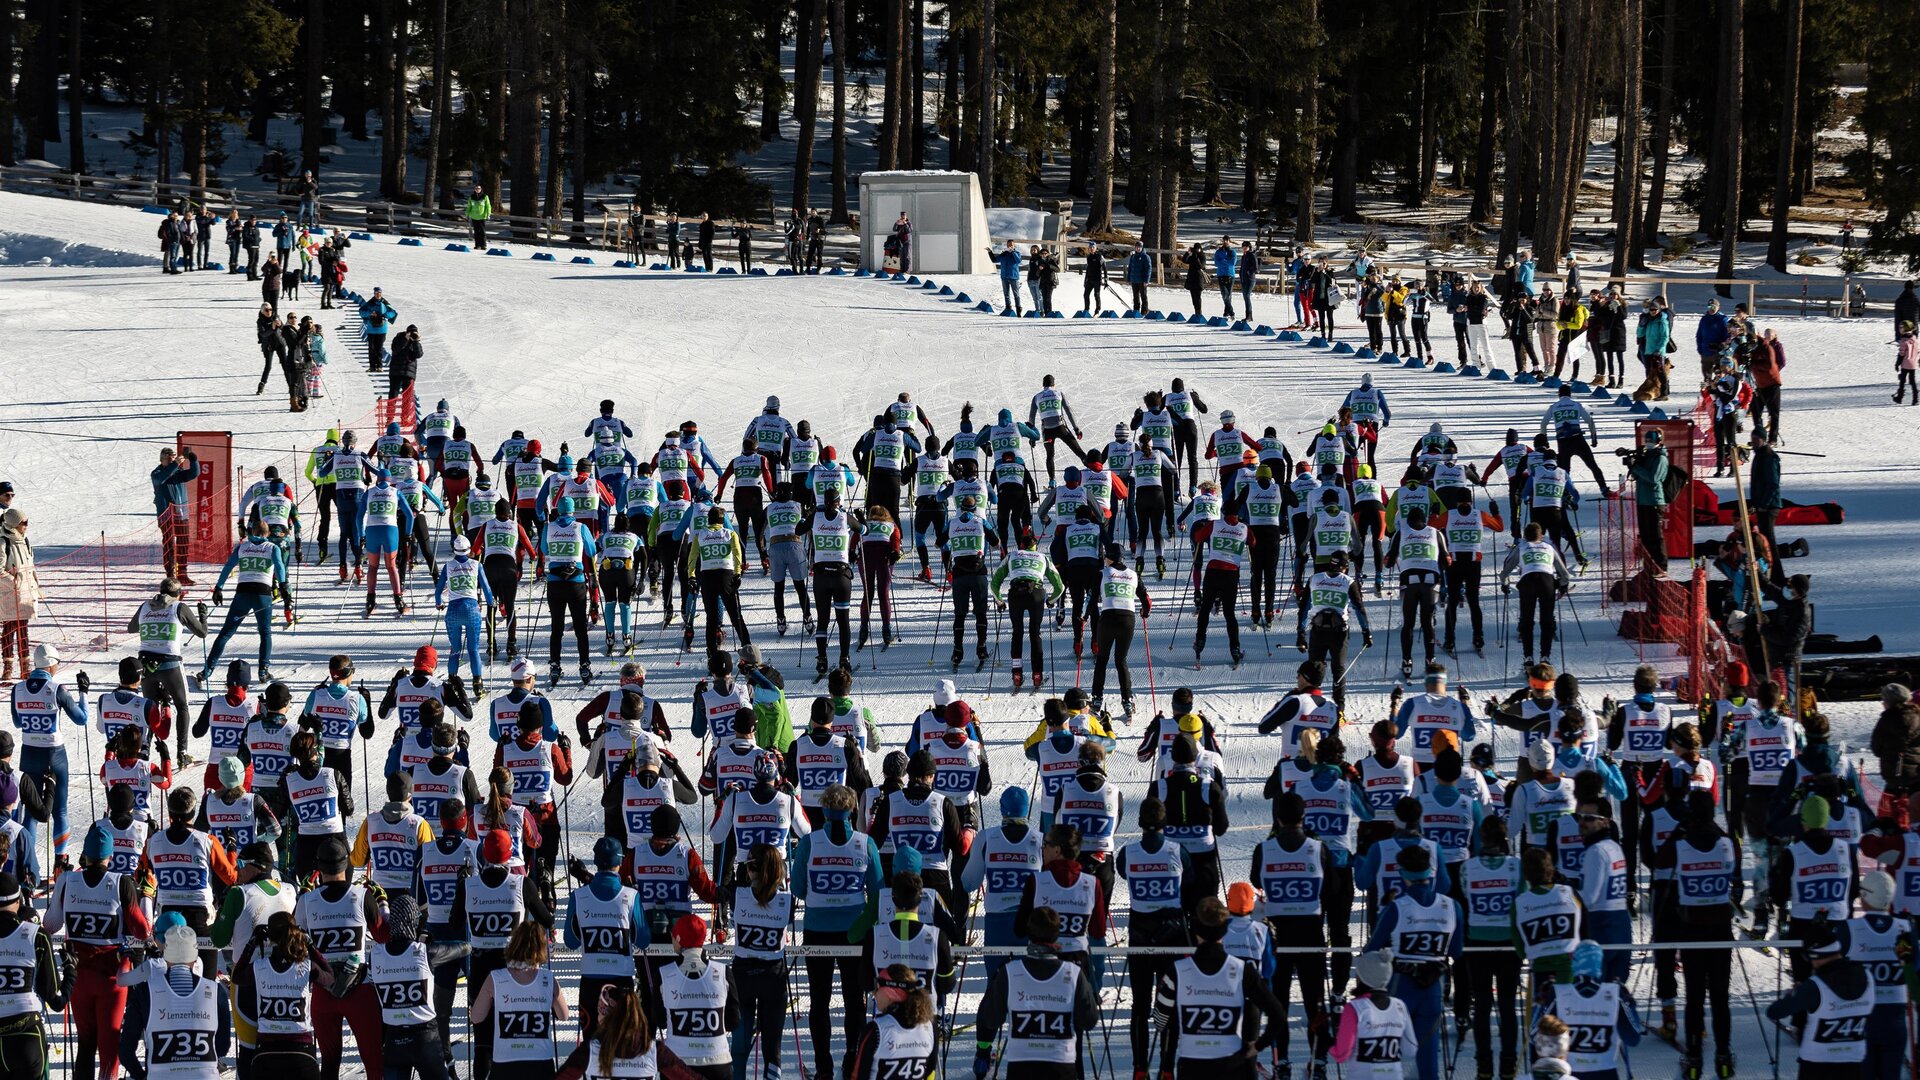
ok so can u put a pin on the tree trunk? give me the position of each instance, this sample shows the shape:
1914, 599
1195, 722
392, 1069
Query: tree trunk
1306, 152
161, 108
556, 132
837, 15
989, 94
430, 185
1513, 185
1736, 38
397, 122
806, 97
1174, 158
494, 149
524, 107
772, 86
1491, 54
313, 117
1789, 135
891, 109
581, 113
193, 140
1556, 121
1256, 150
1210, 170
8, 109
39, 79
1662, 129
1626, 217
1106, 105
1344, 177
916, 106
1713, 181
76, 94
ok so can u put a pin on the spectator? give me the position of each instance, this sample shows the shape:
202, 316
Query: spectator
376, 321
1195, 261
1223, 274
19, 591
266, 331
236, 234
170, 508
1093, 281
1906, 362
1648, 467
903, 241
205, 222
1653, 335
1906, 307
169, 234
6, 495
404, 365
270, 284
283, 236
250, 239
1763, 497
184, 227
1140, 271
1896, 740
1573, 275
1248, 271
1008, 260
673, 241
743, 235
1785, 628
1036, 263
1710, 337
1049, 277
1766, 363
1523, 272
478, 209
308, 189
327, 256
706, 240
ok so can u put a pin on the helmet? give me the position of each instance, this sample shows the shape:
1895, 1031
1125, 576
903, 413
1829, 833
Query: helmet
773, 403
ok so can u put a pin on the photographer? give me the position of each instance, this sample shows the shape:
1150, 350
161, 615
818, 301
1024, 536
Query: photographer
1648, 466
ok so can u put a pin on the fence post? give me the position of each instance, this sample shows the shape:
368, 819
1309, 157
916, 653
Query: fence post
106, 617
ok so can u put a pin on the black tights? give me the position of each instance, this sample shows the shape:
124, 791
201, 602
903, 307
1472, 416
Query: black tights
566, 599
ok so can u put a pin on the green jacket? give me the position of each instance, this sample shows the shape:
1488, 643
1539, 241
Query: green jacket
479, 209
1649, 475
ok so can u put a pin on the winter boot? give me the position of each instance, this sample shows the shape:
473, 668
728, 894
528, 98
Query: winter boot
1669, 1026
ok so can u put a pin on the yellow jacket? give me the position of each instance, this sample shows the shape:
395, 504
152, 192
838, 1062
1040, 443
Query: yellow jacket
1578, 321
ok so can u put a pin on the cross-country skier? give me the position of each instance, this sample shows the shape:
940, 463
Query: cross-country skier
1322, 629
459, 591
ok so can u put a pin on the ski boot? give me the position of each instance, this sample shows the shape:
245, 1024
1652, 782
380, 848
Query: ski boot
1723, 1065
863, 639
1283, 1070
820, 666
479, 688
925, 575
1237, 655
1406, 670
1126, 709
586, 673
686, 640
61, 864
609, 643
1017, 676
956, 657
1379, 583
1447, 647
1690, 1065
1479, 645
1483, 1071
553, 676
1079, 646
780, 627
1159, 568
264, 677
1039, 677
1317, 1070
400, 604
371, 604
1669, 1026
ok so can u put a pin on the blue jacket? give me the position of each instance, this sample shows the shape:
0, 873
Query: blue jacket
1139, 268
377, 307
170, 483
1710, 334
1009, 262
1523, 276
1223, 262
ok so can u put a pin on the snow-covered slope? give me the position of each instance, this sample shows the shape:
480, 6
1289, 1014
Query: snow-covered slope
105, 362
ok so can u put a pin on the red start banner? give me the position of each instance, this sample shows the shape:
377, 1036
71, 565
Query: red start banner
210, 498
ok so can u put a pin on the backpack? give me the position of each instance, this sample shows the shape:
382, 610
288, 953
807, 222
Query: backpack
1672, 484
